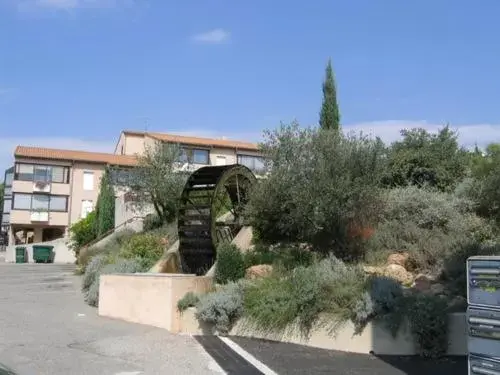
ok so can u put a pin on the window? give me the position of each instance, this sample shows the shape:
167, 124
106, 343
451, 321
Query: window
194, 156
255, 163
87, 207
60, 175
44, 173
41, 173
88, 180
7, 190
40, 202
9, 176
5, 218
21, 201
7, 203
24, 172
58, 203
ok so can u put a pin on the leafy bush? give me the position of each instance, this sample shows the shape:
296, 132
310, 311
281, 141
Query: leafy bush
285, 257
121, 266
428, 320
152, 221
92, 270
145, 246
189, 300
325, 287
110, 249
222, 307
321, 184
230, 264
429, 225
83, 232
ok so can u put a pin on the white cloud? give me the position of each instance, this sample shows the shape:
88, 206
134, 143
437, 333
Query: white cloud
69, 5
468, 134
215, 36
8, 145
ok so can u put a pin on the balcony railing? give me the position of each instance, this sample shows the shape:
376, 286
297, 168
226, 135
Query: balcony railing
39, 216
41, 187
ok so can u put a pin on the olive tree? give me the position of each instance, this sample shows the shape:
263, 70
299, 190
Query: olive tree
323, 188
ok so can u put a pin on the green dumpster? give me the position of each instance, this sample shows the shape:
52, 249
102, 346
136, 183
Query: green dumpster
42, 253
21, 254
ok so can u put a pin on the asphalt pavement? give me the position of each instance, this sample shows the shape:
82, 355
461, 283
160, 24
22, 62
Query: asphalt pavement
46, 328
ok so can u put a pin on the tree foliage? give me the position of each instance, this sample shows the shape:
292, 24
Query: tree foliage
330, 115
83, 232
105, 206
323, 188
426, 159
158, 181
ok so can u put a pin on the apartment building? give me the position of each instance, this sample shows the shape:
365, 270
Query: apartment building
195, 150
50, 189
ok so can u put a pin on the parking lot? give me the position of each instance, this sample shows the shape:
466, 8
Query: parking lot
46, 328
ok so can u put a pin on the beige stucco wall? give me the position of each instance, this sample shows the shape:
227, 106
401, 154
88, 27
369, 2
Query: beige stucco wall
148, 298
78, 193
22, 217
62, 253
28, 187
132, 144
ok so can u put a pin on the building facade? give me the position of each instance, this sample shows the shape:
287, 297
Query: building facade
50, 189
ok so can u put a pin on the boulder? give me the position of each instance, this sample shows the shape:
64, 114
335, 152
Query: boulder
398, 273
398, 258
422, 283
258, 271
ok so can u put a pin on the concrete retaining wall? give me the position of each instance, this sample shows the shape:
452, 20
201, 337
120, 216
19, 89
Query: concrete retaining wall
374, 338
63, 254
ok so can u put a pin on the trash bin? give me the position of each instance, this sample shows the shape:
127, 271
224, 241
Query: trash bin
21, 254
42, 253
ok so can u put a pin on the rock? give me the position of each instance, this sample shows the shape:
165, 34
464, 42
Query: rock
422, 283
259, 271
398, 273
398, 258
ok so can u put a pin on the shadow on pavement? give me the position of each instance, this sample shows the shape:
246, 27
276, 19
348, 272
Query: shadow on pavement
413, 365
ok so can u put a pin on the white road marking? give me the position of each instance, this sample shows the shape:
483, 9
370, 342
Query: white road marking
248, 357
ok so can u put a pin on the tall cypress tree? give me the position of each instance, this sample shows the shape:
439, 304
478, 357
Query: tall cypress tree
329, 117
105, 206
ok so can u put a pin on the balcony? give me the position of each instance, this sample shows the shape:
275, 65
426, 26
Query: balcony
28, 217
41, 187
39, 216
30, 187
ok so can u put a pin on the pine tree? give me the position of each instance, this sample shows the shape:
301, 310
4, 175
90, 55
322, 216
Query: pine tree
329, 116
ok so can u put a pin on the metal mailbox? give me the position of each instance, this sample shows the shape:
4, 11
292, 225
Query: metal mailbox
483, 366
483, 329
483, 281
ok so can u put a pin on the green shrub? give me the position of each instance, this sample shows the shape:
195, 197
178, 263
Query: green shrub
317, 205
92, 270
121, 266
230, 264
152, 221
105, 206
285, 257
145, 246
189, 300
428, 320
429, 225
82, 232
326, 287
222, 307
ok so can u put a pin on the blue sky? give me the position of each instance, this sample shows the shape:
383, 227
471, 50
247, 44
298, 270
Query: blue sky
73, 73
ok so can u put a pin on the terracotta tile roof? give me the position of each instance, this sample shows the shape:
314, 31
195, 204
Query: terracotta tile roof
207, 142
72, 155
